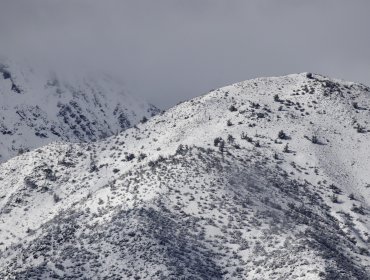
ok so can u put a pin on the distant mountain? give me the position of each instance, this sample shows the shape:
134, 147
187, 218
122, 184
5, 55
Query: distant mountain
264, 179
38, 107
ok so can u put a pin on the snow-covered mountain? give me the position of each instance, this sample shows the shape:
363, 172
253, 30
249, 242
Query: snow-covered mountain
38, 107
264, 179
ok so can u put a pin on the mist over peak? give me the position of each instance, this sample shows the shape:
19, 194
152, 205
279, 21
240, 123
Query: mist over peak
167, 50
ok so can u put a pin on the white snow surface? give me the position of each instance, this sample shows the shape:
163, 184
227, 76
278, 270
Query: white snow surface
164, 200
38, 106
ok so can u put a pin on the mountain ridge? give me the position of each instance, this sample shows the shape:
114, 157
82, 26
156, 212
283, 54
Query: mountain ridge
39, 106
262, 179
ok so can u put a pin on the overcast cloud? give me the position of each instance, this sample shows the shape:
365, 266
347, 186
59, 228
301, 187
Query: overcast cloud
172, 50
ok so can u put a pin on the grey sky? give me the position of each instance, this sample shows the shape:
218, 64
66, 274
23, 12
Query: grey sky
172, 50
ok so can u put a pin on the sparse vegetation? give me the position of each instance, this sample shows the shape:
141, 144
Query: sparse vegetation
314, 139
360, 128
144, 120
169, 203
230, 139
334, 198
286, 148
282, 135
56, 198
232, 108
217, 141
130, 157
358, 209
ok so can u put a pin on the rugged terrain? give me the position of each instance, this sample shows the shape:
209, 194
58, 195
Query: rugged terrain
38, 107
264, 179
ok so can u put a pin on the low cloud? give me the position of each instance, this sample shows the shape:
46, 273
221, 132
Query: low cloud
172, 50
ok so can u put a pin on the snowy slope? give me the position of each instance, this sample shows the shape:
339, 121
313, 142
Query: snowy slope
38, 107
264, 179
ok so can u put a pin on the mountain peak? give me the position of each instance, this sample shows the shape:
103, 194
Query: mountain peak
38, 107
263, 179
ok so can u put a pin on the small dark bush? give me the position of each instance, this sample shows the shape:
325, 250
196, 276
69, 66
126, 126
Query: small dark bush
230, 139
244, 136
130, 157
56, 198
286, 149
358, 209
232, 108
360, 129
217, 141
222, 146
334, 198
282, 135
335, 189
314, 139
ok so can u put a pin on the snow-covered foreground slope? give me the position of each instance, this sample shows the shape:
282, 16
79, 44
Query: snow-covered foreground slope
264, 179
37, 107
